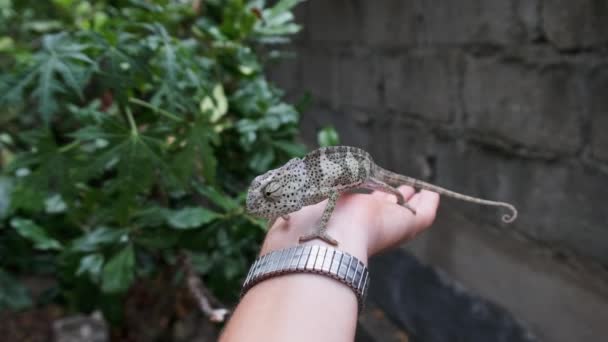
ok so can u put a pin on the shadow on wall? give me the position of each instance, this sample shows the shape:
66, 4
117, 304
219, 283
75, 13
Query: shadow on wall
433, 308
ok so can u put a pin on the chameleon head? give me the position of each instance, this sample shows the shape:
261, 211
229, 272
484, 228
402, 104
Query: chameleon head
277, 192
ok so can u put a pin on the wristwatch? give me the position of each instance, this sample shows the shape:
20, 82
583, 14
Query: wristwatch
322, 260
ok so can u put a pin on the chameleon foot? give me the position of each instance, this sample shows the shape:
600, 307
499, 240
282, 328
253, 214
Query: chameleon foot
319, 234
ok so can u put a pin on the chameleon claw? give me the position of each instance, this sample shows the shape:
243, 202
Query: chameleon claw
321, 235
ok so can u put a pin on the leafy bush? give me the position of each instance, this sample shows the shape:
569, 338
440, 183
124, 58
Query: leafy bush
130, 130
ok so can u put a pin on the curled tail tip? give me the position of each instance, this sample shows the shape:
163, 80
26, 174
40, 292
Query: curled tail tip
508, 218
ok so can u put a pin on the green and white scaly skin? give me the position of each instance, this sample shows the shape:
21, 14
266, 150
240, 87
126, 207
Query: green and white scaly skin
327, 172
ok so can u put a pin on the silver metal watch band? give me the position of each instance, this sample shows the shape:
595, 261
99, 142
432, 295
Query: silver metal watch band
311, 259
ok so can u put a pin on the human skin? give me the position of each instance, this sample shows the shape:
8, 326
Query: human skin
310, 307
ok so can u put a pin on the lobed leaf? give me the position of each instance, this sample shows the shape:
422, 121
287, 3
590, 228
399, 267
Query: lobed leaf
218, 198
161, 107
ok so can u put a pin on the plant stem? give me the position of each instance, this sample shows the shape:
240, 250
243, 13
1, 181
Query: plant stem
132, 124
156, 109
69, 146
215, 313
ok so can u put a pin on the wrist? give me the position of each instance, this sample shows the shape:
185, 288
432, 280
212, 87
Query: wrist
284, 234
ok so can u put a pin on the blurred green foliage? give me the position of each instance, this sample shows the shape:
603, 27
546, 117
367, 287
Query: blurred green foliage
328, 137
129, 132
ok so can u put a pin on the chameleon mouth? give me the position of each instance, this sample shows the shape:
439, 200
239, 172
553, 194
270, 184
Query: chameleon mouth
257, 209
253, 212
252, 207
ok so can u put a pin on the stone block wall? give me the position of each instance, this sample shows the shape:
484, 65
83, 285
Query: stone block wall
501, 99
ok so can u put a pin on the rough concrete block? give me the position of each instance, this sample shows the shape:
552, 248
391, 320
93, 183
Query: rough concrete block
425, 84
575, 24
358, 81
409, 147
301, 13
538, 108
394, 142
598, 90
390, 22
333, 21
557, 301
561, 205
422, 22
317, 72
528, 14
355, 127
286, 74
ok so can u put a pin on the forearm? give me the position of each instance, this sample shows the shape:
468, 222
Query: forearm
299, 307
311, 307
296, 307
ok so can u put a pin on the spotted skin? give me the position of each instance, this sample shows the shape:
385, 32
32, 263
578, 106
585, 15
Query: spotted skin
327, 172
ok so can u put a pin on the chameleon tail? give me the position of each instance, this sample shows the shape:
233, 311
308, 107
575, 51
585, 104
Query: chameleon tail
393, 178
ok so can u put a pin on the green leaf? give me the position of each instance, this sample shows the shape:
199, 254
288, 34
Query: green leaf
55, 204
169, 55
291, 148
153, 216
216, 104
157, 238
119, 271
218, 198
198, 154
62, 66
189, 218
110, 174
262, 160
27, 198
6, 44
278, 22
283, 6
91, 264
12, 87
94, 240
328, 137
42, 26
13, 295
6, 187
33, 232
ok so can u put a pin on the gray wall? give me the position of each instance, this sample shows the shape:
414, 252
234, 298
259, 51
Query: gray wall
502, 99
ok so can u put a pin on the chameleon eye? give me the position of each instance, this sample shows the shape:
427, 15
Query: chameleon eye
271, 188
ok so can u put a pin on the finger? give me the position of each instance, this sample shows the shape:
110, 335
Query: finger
396, 215
407, 192
396, 220
426, 204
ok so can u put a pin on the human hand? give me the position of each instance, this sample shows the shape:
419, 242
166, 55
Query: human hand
363, 224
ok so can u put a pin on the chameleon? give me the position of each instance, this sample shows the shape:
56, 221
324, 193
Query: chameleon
327, 172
